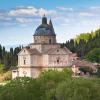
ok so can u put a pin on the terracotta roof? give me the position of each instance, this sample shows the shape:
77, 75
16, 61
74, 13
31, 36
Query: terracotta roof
67, 50
83, 63
52, 50
33, 51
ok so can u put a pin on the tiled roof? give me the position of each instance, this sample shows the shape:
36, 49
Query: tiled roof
52, 51
83, 63
33, 51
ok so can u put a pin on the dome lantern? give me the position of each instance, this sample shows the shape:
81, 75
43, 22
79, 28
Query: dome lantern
44, 20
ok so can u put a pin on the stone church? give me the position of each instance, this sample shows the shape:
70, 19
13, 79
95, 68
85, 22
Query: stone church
44, 54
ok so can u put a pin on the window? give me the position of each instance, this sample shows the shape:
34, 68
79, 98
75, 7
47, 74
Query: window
50, 41
57, 60
57, 50
35, 41
24, 62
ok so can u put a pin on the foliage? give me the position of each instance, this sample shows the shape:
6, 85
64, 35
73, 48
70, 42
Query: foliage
51, 85
8, 58
84, 43
98, 72
94, 55
5, 76
78, 89
86, 69
1, 68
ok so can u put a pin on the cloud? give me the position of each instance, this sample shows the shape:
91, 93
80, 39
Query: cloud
28, 15
67, 22
31, 11
42, 11
23, 15
22, 11
65, 8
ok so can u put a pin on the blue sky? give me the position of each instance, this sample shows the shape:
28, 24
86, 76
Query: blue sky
19, 18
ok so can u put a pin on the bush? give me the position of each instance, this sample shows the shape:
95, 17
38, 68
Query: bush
5, 76
86, 69
51, 85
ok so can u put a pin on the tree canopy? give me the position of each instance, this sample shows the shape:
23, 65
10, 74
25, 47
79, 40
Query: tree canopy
85, 43
52, 85
9, 58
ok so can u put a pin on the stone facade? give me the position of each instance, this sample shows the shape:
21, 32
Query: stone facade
44, 54
45, 39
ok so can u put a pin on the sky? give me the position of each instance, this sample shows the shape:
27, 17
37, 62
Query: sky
20, 18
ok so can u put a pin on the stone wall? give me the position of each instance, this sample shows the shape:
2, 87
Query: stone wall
45, 39
24, 71
58, 60
24, 58
36, 46
36, 60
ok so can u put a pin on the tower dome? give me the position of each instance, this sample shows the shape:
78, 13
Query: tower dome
45, 32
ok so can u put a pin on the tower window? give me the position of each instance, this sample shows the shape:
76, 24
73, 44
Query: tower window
50, 41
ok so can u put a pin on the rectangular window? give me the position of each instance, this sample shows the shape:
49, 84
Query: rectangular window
24, 62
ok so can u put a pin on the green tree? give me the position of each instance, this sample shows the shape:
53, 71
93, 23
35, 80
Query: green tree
78, 89
94, 55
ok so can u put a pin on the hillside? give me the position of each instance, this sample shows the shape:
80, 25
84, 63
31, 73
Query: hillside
84, 43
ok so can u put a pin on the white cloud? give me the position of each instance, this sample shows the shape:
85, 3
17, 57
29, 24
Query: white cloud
42, 11
31, 11
65, 8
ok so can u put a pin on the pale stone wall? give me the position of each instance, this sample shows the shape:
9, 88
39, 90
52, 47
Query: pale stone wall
36, 60
47, 47
14, 74
24, 71
58, 60
24, 58
45, 39
45, 60
36, 46
44, 47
